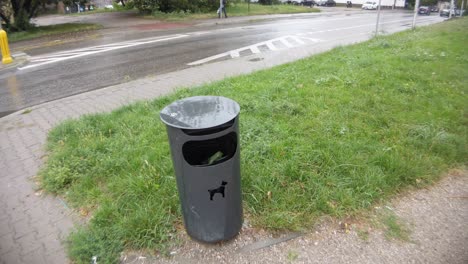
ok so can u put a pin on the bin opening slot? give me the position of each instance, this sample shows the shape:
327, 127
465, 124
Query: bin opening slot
207, 131
210, 152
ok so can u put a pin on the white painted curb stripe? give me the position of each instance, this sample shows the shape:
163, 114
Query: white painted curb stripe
110, 47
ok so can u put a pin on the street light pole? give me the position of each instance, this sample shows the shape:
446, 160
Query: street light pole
416, 5
461, 9
452, 9
378, 19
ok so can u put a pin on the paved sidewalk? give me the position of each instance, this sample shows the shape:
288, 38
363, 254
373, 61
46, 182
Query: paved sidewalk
32, 225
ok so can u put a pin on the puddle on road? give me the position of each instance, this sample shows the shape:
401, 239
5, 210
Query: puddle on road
256, 59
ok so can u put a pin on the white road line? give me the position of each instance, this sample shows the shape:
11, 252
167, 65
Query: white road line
315, 40
92, 50
271, 46
215, 57
234, 53
254, 49
286, 42
298, 40
201, 33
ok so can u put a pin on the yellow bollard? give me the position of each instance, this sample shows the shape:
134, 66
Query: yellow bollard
6, 57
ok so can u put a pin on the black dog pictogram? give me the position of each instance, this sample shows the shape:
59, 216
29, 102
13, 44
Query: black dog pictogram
220, 190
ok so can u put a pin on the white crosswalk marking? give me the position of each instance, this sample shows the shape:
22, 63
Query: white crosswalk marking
299, 39
286, 43
71, 54
254, 49
234, 54
271, 46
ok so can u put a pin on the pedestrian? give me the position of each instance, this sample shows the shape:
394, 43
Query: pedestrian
222, 8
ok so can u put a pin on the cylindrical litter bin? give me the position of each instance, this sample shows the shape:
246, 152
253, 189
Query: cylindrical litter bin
203, 134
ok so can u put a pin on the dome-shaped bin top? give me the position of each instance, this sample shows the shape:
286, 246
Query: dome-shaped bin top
200, 112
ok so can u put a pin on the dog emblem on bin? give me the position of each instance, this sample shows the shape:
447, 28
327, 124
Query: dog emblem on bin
220, 190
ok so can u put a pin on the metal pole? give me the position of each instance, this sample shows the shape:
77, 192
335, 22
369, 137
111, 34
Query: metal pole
452, 10
416, 5
378, 19
462, 6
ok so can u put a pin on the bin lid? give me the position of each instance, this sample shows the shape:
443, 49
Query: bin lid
200, 112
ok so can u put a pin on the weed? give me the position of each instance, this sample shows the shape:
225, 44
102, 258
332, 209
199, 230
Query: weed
395, 228
363, 234
27, 111
292, 255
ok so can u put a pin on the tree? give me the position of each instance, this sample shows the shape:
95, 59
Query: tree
17, 13
428, 2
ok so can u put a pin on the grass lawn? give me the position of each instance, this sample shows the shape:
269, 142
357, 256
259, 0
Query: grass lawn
237, 9
329, 135
42, 31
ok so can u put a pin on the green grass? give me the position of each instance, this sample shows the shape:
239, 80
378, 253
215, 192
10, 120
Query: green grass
329, 135
42, 31
395, 228
292, 255
236, 9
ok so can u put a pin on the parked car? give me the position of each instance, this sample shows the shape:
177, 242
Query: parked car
434, 9
309, 3
446, 12
326, 3
424, 10
369, 5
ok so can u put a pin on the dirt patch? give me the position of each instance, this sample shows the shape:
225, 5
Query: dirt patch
436, 219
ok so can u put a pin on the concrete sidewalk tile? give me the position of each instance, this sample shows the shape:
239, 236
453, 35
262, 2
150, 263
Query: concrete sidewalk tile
3, 216
5, 226
11, 257
7, 244
22, 228
52, 243
37, 256
64, 226
15, 212
28, 244
59, 257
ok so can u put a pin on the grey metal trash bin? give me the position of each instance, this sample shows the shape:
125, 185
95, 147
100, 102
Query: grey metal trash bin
203, 134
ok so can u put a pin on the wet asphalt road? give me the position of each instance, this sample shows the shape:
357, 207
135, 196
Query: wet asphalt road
166, 51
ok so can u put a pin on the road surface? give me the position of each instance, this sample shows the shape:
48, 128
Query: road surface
58, 72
